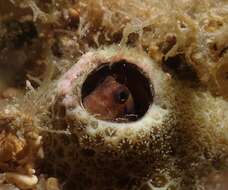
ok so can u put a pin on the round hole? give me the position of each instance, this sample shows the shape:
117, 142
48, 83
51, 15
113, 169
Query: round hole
118, 92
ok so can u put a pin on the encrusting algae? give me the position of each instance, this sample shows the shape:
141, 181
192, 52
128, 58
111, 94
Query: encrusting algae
113, 95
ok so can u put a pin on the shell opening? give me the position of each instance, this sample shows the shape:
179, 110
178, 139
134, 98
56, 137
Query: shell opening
127, 74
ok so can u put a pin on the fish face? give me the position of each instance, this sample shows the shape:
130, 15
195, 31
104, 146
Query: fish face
110, 100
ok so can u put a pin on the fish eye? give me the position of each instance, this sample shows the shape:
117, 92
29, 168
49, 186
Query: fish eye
122, 95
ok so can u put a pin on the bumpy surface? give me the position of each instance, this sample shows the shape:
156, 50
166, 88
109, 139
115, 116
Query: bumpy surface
50, 141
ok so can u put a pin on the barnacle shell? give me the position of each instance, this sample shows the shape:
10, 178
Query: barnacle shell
102, 145
87, 126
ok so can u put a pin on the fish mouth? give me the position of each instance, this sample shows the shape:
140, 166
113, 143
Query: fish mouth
130, 75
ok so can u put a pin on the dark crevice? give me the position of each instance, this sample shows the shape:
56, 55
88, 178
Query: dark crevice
178, 68
18, 34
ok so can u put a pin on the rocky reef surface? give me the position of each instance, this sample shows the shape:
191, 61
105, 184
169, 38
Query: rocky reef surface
113, 94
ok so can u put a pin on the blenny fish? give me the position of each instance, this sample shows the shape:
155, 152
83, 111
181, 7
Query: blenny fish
110, 100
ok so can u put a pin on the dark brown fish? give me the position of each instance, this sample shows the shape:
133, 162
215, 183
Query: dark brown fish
110, 100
